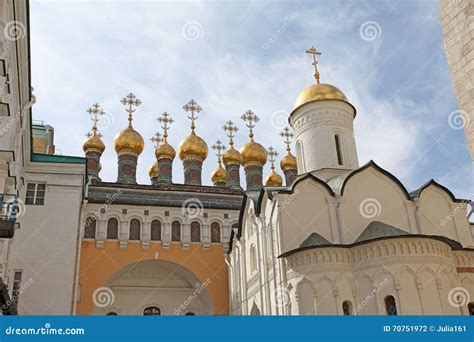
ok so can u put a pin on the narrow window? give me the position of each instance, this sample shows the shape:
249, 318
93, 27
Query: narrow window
347, 308
390, 306
35, 194
195, 232
134, 230
215, 232
337, 140
155, 230
176, 231
190, 314
90, 228
16, 289
112, 229
253, 259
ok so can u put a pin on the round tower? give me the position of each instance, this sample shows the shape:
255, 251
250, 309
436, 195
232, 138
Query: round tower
322, 120
93, 146
165, 153
232, 158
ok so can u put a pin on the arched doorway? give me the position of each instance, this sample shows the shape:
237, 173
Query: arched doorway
156, 287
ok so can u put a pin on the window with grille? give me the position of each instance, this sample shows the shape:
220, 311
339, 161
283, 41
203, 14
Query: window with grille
90, 228
195, 232
112, 229
35, 193
134, 230
176, 231
215, 232
155, 230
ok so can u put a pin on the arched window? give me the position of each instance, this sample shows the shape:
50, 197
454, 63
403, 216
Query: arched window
190, 314
134, 230
111, 313
195, 232
470, 308
253, 259
152, 311
215, 232
155, 230
299, 155
390, 306
347, 308
90, 227
175, 231
337, 141
112, 229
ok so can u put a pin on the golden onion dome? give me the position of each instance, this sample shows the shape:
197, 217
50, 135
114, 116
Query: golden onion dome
219, 175
232, 156
273, 179
129, 140
288, 162
253, 154
93, 143
165, 151
318, 92
153, 170
192, 147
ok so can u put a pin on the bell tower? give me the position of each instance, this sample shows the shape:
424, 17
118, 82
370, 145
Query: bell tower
322, 120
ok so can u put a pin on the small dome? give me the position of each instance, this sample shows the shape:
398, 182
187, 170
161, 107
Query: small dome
219, 175
192, 147
253, 153
165, 151
232, 156
288, 162
93, 143
318, 92
153, 170
273, 179
129, 140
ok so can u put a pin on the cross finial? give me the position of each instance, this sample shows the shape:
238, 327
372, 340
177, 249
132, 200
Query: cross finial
129, 102
156, 139
231, 129
218, 147
250, 119
272, 154
89, 134
192, 107
287, 135
165, 120
96, 112
313, 52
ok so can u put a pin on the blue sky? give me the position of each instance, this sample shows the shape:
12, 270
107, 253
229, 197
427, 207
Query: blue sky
386, 56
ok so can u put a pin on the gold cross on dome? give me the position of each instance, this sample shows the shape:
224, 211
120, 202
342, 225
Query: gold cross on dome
218, 147
250, 119
156, 139
192, 107
165, 120
272, 154
287, 135
231, 129
313, 52
89, 134
96, 112
129, 102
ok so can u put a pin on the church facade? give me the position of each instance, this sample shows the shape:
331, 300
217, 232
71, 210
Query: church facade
323, 236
